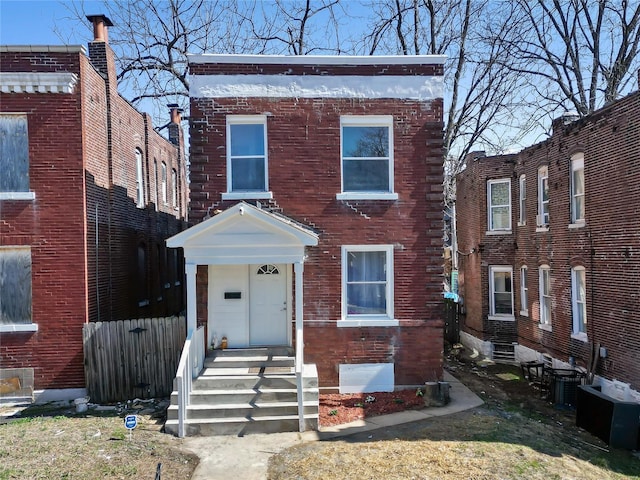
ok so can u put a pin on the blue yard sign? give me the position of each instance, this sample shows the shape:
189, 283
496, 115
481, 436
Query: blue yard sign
130, 422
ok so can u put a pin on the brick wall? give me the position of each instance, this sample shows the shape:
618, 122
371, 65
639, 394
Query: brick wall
606, 246
304, 176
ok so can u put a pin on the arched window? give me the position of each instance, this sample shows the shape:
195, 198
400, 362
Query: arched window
268, 270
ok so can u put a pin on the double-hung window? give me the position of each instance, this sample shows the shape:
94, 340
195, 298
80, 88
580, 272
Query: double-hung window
543, 197
14, 158
577, 188
366, 153
499, 202
15, 290
139, 180
367, 285
579, 301
501, 292
163, 180
545, 295
522, 220
247, 172
524, 291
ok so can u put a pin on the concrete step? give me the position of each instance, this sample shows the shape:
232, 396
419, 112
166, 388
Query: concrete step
251, 352
231, 396
209, 381
243, 410
255, 362
241, 426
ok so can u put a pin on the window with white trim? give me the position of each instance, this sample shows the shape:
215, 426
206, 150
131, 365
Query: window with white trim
15, 286
501, 292
543, 197
139, 180
577, 188
14, 158
163, 180
545, 294
367, 282
366, 157
247, 172
524, 291
523, 200
499, 204
579, 300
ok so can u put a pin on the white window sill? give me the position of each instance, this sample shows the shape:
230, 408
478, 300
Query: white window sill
543, 228
366, 196
505, 318
579, 224
498, 232
247, 196
581, 336
545, 326
524, 313
17, 328
369, 322
522, 224
17, 195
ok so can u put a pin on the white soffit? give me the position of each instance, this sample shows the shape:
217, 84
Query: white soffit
317, 86
27, 82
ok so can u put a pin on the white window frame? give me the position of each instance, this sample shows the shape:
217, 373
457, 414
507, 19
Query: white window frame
542, 219
163, 182
524, 291
387, 320
140, 196
522, 195
544, 279
490, 206
578, 274
230, 194
25, 326
493, 269
577, 164
368, 121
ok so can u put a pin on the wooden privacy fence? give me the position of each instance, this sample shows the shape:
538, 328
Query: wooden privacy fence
132, 358
451, 321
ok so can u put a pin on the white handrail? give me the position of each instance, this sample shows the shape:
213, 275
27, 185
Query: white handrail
189, 367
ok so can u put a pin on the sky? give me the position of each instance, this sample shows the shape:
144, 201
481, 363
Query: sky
33, 22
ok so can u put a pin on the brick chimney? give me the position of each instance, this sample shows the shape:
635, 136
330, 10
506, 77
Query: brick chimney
175, 128
100, 53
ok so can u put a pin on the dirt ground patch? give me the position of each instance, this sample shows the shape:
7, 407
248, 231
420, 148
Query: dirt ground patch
515, 435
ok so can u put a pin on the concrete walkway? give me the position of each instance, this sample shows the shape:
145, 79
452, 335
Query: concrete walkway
248, 457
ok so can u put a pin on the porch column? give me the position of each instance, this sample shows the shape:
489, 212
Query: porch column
192, 320
299, 268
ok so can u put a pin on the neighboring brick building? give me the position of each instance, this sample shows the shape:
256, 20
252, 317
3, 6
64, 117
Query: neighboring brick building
344, 153
88, 194
548, 243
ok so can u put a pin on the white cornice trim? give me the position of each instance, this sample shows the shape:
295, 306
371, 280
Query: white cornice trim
319, 59
27, 82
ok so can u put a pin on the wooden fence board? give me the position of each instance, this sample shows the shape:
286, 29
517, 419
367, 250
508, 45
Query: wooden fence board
121, 364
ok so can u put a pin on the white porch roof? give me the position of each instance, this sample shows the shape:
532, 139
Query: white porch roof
244, 234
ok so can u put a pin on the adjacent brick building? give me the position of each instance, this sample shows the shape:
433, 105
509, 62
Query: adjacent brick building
340, 160
548, 244
89, 191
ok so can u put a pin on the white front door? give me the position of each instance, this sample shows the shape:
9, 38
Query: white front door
248, 305
268, 305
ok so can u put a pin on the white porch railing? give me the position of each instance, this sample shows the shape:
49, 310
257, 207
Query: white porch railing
190, 366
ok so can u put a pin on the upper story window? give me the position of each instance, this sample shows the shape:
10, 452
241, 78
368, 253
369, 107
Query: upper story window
367, 285
155, 180
15, 289
366, 155
579, 301
524, 291
522, 220
163, 184
577, 188
543, 197
247, 162
501, 292
499, 204
139, 180
14, 158
545, 295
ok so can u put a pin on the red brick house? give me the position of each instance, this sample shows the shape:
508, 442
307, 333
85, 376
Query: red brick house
548, 242
88, 194
316, 187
